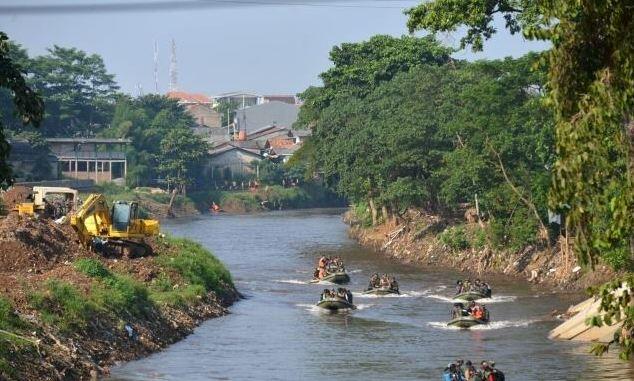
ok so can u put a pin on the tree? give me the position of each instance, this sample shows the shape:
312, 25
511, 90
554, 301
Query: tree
476, 15
28, 104
591, 83
146, 120
78, 91
180, 152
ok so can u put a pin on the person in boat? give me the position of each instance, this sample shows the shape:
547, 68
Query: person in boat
393, 284
385, 281
470, 371
451, 373
214, 207
457, 311
349, 296
374, 282
459, 287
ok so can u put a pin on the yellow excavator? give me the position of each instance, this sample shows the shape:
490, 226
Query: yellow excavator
113, 231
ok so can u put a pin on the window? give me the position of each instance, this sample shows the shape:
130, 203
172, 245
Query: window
82, 166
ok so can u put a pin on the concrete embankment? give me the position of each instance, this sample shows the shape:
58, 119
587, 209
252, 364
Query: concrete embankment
68, 314
577, 329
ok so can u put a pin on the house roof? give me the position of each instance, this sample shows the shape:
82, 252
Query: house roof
286, 151
276, 113
185, 97
281, 142
302, 133
286, 98
229, 146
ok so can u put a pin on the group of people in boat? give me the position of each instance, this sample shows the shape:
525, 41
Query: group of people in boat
466, 371
341, 293
473, 309
328, 265
477, 285
383, 281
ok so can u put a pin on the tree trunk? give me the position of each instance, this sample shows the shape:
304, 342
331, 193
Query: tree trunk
373, 210
170, 212
386, 215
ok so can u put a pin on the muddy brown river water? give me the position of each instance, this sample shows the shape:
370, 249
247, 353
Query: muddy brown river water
278, 334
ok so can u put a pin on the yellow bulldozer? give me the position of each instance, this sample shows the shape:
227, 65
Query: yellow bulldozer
113, 231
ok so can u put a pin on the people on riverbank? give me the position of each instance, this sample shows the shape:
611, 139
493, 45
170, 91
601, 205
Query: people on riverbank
328, 265
382, 281
487, 372
475, 286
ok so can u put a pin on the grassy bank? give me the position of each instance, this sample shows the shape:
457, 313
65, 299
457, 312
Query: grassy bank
73, 316
268, 198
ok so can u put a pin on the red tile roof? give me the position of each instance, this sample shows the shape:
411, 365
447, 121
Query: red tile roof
188, 97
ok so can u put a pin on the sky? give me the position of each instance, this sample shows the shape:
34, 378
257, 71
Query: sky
224, 45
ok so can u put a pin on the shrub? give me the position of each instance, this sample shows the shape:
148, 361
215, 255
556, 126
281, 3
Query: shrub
455, 238
363, 214
479, 239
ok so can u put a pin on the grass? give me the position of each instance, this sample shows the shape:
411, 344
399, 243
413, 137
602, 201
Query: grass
62, 305
196, 265
11, 328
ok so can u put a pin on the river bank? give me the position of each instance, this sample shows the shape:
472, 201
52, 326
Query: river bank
431, 240
154, 202
67, 313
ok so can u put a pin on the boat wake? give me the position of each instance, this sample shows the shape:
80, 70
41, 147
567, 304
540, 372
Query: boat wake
292, 281
314, 308
355, 271
405, 294
494, 299
484, 327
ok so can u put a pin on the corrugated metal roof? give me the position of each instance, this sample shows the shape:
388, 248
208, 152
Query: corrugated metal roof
185, 97
89, 140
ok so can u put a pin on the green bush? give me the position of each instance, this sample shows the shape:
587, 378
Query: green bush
479, 239
455, 237
63, 305
123, 295
92, 267
362, 212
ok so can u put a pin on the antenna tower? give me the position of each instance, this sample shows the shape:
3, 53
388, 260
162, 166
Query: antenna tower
173, 72
156, 79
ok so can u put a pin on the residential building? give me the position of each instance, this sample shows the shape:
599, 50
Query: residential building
201, 108
97, 159
289, 99
240, 98
272, 113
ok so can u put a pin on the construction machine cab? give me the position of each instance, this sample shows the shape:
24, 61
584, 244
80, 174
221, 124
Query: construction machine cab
123, 214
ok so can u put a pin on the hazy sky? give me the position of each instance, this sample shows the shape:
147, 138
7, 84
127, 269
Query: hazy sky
225, 46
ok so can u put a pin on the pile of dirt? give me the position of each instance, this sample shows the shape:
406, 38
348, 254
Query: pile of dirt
35, 245
15, 195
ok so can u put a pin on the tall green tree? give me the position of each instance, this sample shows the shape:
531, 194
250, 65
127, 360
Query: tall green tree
180, 153
146, 121
78, 91
28, 104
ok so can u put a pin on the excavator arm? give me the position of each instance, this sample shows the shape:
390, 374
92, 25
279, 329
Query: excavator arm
92, 219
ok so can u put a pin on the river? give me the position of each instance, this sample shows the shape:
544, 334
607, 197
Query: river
277, 334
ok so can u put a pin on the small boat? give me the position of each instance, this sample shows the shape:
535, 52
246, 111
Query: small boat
335, 304
338, 278
381, 291
466, 322
472, 295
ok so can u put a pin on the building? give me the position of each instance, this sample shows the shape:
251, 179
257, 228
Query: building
201, 108
235, 158
239, 98
97, 159
272, 113
29, 164
289, 99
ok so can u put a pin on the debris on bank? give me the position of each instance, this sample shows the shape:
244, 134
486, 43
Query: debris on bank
68, 314
416, 240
